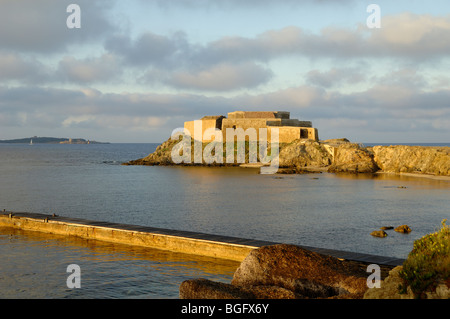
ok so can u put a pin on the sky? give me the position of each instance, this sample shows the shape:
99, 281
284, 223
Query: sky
136, 70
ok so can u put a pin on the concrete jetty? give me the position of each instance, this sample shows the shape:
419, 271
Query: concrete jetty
224, 247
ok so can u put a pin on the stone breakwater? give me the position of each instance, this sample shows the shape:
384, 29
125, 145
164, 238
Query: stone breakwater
335, 155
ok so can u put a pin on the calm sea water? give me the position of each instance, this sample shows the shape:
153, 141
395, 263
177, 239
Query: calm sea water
335, 211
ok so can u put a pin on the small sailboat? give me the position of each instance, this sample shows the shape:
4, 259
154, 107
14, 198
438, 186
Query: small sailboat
31, 142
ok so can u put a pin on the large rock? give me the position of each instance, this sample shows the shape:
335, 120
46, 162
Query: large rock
352, 158
207, 289
304, 153
413, 159
301, 271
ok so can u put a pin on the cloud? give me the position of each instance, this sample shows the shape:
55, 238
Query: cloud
148, 49
102, 69
15, 67
335, 77
40, 26
221, 77
412, 35
380, 109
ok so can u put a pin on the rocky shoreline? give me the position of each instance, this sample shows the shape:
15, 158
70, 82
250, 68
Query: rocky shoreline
291, 272
287, 272
337, 156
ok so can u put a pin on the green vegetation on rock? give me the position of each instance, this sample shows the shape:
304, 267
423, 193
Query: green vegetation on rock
428, 264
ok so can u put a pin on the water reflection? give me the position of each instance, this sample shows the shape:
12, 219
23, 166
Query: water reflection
37, 263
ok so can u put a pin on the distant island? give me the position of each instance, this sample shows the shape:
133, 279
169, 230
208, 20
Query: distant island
49, 140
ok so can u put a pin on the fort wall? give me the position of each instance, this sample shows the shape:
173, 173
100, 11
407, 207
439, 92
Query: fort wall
289, 129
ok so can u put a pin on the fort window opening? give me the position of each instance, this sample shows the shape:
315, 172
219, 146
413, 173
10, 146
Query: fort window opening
303, 133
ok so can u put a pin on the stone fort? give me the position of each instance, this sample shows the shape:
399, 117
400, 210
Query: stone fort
288, 129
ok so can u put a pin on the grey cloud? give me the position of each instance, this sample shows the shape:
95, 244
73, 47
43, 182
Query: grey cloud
335, 77
40, 26
173, 59
14, 67
407, 36
221, 77
411, 35
102, 69
149, 48
379, 109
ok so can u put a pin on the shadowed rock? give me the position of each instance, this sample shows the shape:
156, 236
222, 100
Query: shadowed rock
207, 289
301, 271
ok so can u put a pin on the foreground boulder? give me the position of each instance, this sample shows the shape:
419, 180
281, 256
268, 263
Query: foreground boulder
304, 272
285, 272
207, 289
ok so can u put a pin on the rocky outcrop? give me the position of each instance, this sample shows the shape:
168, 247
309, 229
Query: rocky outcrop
285, 272
389, 289
300, 154
413, 159
353, 158
161, 156
335, 155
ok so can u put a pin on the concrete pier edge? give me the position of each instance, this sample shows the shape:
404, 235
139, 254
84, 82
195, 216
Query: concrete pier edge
217, 246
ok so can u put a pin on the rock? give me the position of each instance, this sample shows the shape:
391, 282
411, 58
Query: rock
304, 153
301, 271
336, 141
389, 287
272, 292
413, 159
336, 155
207, 289
353, 158
403, 229
442, 291
379, 233
386, 227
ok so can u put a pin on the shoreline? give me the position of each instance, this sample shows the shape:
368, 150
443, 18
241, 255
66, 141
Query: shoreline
421, 175
333, 156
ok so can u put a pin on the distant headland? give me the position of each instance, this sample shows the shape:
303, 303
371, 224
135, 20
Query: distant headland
49, 140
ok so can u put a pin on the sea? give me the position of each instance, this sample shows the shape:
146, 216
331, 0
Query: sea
334, 211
